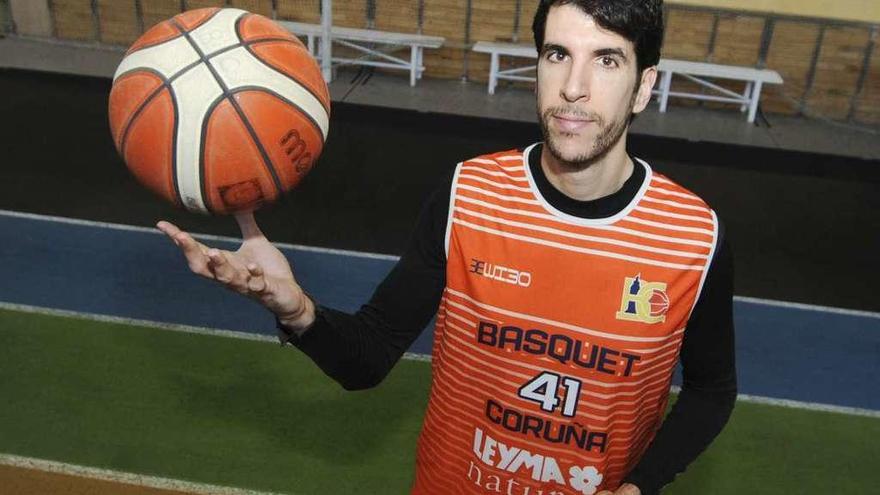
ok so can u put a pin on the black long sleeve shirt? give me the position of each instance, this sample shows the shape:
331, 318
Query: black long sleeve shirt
358, 350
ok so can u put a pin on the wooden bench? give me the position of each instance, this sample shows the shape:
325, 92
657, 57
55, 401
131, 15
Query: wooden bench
364, 41
697, 72
496, 50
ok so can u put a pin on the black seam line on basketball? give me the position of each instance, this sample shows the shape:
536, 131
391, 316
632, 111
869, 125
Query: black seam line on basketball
282, 98
266, 161
221, 51
248, 48
165, 84
180, 33
204, 133
184, 70
174, 148
238, 27
247, 43
303, 86
156, 43
201, 23
201, 154
167, 81
145, 104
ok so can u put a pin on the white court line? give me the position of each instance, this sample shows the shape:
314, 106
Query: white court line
808, 307
25, 308
361, 254
810, 406
796, 404
123, 477
160, 325
207, 237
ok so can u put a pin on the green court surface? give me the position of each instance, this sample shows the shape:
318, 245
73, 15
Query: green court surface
250, 414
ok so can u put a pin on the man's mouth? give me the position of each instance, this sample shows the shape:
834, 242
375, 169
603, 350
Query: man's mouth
571, 123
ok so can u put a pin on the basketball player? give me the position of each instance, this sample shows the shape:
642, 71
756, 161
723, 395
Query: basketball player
570, 278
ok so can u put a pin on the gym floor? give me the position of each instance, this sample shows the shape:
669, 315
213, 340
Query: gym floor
803, 225
799, 201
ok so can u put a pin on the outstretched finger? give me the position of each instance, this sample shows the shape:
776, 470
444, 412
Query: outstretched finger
167, 227
194, 251
180, 238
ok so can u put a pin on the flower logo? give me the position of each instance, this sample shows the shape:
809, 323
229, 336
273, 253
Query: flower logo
585, 479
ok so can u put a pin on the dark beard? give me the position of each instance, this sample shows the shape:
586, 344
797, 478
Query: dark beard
609, 136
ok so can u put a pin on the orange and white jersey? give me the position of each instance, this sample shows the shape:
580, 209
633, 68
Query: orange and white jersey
556, 336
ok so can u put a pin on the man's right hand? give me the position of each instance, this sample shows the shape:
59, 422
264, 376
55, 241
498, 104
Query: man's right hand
257, 270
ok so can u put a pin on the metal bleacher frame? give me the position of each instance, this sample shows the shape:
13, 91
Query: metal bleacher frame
364, 41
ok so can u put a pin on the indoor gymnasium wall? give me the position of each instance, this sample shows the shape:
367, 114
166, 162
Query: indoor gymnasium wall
737, 42
156, 11
831, 67
687, 37
790, 54
824, 77
506, 22
201, 4
73, 20
118, 22
818, 46
262, 7
447, 18
847, 10
490, 21
837, 72
5, 18
300, 10
350, 13
400, 16
527, 14
32, 18
868, 108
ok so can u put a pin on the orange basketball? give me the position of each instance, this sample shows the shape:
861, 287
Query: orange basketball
219, 110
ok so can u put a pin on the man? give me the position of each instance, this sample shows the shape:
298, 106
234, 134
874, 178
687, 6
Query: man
569, 278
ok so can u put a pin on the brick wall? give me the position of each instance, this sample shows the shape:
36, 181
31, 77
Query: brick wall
831, 83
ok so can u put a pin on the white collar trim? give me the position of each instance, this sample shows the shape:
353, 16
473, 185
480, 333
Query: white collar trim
587, 221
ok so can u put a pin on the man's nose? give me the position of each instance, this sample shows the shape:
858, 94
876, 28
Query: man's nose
577, 83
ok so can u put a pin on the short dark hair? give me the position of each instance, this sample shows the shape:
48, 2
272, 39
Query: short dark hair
639, 21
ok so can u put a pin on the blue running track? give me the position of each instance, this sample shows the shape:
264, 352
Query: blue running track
783, 351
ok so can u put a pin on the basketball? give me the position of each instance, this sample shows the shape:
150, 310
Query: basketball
219, 111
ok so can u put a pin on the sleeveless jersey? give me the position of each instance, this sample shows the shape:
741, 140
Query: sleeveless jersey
556, 336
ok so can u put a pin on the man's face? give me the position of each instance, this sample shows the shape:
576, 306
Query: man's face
586, 86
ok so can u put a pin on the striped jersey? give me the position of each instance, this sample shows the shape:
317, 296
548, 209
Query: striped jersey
557, 335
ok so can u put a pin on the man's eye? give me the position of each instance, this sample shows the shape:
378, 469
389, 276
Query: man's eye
607, 61
555, 56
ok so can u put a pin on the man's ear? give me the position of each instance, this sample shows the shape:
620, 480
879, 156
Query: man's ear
643, 93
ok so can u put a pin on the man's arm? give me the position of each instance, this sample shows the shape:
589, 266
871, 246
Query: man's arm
708, 391
358, 350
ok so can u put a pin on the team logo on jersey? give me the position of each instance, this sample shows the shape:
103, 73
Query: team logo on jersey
643, 301
500, 273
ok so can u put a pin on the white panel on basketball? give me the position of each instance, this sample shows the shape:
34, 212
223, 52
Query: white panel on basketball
195, 91
219, 32
168, 58
238, 68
